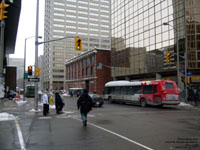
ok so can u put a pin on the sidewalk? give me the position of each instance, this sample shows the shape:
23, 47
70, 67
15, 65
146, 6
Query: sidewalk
189, 104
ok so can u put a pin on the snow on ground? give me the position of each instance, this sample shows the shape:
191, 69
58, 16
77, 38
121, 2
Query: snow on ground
6, 117
33, 110
50, 106
185, 104
21, 102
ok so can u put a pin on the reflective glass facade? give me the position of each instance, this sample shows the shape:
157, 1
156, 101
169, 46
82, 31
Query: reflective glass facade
140, 40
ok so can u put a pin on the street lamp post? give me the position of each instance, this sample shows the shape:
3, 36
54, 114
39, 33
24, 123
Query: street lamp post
177, 51
25, 63
185, 60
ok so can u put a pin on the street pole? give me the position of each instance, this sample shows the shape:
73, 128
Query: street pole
25, 64
36, 55
177, 52
186, 88
178, 65
24, 69
185, 60
2, 46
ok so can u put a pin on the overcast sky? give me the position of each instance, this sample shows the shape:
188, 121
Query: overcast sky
26, 29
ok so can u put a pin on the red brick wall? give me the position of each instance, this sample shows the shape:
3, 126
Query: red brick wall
104, 74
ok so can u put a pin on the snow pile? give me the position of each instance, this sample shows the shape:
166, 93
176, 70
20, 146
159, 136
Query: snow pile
65, 95
185, 104
52, 106
33, 110
21, 102
6, 117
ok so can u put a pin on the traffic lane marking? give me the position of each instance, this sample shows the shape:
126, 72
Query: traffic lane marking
116, 134
19, 132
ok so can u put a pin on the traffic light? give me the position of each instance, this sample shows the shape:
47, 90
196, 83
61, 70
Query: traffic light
183, 79
168, 55
189, 80
38, 73
30, 70
3, 6
78, 44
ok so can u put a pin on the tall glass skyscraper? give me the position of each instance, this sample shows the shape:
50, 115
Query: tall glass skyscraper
88, 19
144, 31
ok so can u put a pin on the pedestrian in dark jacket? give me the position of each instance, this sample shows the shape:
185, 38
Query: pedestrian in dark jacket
196, 97
59, 102
85, 104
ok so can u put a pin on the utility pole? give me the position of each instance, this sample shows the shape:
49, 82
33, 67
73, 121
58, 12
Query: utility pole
36, 56
185, 60
3, 6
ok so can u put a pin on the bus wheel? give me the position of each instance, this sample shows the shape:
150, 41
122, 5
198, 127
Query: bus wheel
143, 102
110, 100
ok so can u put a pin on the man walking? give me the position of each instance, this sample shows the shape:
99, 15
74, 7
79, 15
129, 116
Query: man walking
85, 104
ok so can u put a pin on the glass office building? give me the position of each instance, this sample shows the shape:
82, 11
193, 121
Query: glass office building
144, 31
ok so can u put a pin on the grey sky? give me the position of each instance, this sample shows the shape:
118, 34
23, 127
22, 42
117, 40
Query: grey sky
26, 29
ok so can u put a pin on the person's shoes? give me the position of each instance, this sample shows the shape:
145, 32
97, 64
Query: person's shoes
85, 123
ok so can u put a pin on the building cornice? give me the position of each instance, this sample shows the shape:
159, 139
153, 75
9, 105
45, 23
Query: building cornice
78, 80
84, 54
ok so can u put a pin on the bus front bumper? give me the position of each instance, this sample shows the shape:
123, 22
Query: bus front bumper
171, 102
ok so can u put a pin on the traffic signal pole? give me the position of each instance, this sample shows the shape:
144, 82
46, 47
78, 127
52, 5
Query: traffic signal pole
36, 53
3, 6
36, 56
2, 46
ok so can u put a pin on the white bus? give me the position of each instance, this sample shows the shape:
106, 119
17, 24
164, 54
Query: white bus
156, 92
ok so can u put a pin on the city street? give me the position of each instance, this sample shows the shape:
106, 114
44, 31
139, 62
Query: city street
110, 127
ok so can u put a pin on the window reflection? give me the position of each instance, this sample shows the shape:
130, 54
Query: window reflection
138, 24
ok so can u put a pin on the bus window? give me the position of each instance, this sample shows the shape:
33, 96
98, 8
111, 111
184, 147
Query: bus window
124, 90
106, 91
137, 90
112, 90
130, 90
117, 90
155, 89
169, 86
148, 89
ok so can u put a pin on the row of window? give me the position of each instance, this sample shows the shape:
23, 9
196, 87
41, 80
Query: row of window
131, 90
84, 72
82, 68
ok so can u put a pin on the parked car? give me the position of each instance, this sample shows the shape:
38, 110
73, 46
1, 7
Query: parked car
97, 99
11, 94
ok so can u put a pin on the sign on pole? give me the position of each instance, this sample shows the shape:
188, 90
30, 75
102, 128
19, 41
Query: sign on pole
34, 79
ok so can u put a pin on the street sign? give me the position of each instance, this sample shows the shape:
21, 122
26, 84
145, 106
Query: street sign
25, 75
34, 79
189, 73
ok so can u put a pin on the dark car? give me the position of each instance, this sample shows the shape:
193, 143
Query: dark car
11, 94
96, 99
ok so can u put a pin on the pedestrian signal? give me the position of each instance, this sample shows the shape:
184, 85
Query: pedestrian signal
78, 44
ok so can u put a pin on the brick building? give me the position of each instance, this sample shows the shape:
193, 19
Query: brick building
90, 70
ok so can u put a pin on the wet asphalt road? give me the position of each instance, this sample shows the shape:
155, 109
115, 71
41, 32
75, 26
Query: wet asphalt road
111, 127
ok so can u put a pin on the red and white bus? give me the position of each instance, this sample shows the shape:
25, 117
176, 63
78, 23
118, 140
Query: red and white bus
156, 92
